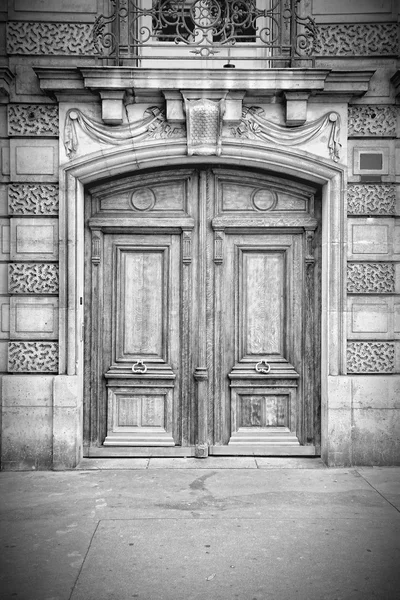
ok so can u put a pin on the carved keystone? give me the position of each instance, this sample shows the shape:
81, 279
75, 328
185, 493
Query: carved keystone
175, 99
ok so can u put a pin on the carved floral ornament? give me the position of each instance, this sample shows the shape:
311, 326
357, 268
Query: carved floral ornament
204, 131
153, 125
253, 125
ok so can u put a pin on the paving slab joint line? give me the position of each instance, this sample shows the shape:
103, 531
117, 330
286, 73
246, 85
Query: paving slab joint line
84, 559
377, 491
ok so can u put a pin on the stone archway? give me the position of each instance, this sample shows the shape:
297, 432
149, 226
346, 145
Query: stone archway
292, 164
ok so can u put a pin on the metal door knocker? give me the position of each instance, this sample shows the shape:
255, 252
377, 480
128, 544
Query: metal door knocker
139, 367
261, 369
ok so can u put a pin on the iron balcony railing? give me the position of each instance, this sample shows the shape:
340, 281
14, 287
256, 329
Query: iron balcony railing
145, 32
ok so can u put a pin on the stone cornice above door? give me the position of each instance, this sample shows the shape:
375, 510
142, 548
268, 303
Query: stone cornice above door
118, 85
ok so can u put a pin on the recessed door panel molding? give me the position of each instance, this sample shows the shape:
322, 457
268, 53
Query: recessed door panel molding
141, 304
239, 193
143, 275
263, 338
262, 410
139, 417
162, 195
202, 304
261, 303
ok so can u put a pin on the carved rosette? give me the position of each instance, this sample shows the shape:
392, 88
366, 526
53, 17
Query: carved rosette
371, 278
371, 199
24, 37
27, 278
32, 119
32, 357
32, 199
370, 357
372, 120
363, 39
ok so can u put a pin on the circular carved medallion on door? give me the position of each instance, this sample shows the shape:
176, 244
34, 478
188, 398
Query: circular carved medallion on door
143, 199
264, 199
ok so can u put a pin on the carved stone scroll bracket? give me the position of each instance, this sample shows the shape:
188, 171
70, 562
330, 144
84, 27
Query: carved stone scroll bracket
310, 259
219, 246
96, 249
204, 126
187, 247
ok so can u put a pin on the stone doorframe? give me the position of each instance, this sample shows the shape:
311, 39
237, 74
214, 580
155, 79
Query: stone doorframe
306, 167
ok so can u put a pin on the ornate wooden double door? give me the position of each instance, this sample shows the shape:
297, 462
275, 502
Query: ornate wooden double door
202, 315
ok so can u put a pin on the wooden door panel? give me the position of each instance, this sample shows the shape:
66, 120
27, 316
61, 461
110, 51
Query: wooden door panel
262, 411
261, 303
164, 195
140, 410
263, 290
143, 322
139, 416
141, 314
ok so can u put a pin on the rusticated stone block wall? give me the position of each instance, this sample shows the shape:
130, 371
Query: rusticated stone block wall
39, 411
373, 271
373, 283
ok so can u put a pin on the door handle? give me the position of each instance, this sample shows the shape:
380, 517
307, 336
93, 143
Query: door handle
260, 369
139, 367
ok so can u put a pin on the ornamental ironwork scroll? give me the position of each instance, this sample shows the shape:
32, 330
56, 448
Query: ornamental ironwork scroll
204, 29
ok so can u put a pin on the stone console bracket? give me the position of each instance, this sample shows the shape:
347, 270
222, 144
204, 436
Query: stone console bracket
117, 85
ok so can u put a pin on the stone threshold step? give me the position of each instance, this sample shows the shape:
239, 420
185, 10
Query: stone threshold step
212, 462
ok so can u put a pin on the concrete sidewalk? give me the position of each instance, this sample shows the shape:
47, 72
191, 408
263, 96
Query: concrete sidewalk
213, 529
